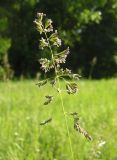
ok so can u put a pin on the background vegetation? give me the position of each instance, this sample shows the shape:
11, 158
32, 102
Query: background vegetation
89, 27
21, 110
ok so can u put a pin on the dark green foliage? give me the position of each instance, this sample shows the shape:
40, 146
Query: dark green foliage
87, 26
101, 44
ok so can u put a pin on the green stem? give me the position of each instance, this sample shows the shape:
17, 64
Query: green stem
61, 98
64, 112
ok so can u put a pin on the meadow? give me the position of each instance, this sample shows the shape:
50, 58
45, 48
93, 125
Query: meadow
22, 110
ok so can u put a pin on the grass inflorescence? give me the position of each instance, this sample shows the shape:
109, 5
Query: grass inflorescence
50, 40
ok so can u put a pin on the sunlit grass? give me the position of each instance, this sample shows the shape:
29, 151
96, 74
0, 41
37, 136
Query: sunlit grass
21, 111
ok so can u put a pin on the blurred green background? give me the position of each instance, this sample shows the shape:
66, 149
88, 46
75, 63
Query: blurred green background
22, 110
89, 27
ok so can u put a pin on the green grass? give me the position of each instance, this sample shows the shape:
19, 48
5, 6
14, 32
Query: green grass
21, 111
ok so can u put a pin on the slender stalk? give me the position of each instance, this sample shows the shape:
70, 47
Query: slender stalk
63, 108
61, 98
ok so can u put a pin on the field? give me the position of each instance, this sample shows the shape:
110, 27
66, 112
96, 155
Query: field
22, 110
